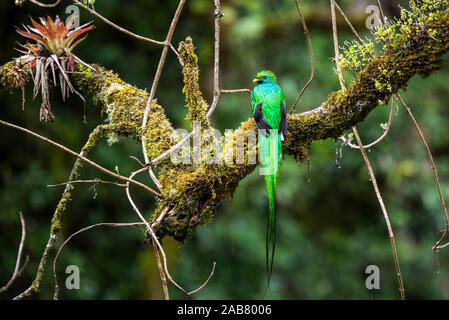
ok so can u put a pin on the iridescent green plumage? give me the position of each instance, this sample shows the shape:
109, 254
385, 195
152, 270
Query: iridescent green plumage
268, 107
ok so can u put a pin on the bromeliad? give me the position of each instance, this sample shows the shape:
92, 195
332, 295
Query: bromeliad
268, 107
51, 59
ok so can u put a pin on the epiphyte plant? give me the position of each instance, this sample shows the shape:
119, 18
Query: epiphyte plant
50, 59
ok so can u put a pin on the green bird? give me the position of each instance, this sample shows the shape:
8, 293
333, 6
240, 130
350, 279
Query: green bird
268, 108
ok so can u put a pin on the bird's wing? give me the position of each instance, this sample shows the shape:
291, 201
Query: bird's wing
283, 126
261, 123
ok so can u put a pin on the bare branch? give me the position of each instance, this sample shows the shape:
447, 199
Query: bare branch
367, 161
45, 5
174, 148
384, 134
312, 60
337, 52
216, 97
115, 26
33, 288
150, 169
382, 16
161, 216
93, 164
434, 171
17, 269
351, 27
151, 232
158, 258
156, 81
107, 224
138, 161
206, 282
155, 239
94, 181
235, 91
161, 271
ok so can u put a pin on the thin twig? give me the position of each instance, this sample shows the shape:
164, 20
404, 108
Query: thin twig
385, 213
93, 164
217, 91
108, 224
379, 5
312, 60
161, 271
95, 181
151, 232
152, 175
367, 162
138, 161
161, 216
115, 26
434, 171
384, 134
129, 33
155, 239
155, 84
204, 284
98, 133
175, 147
441, 246
235, 91
349, 23
158, 258
337, 52
45, 5
216, 97
17, 269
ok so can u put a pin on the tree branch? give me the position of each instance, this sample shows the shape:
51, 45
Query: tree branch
17, 270
207, 185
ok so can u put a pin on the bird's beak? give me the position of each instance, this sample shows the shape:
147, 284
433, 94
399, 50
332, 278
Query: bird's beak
256, 80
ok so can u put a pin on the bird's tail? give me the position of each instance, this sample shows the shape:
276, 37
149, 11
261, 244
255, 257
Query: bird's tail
271, 153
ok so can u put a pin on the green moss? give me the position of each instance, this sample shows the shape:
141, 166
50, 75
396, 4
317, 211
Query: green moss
14, 74
413, 22
98, 133
356, 56
94, 82
193, 192
194, 100
5, 81
413, 45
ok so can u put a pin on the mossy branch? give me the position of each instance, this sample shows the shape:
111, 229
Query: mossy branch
194, 99
194, 191
97, 134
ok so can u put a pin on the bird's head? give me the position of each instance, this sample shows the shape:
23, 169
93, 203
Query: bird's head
265, 76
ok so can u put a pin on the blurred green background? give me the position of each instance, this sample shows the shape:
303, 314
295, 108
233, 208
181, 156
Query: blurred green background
330, 226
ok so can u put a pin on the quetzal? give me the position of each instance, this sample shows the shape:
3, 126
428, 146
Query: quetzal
268, 107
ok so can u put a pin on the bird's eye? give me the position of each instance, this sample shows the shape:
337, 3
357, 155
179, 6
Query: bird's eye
265, 77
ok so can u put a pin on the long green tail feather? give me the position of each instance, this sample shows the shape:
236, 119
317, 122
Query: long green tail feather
271, 153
